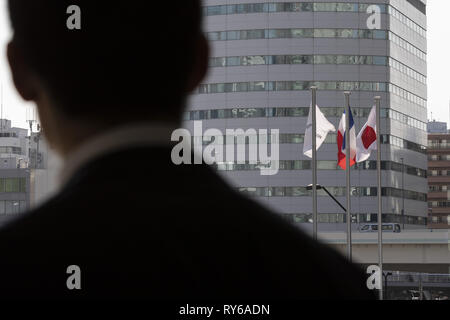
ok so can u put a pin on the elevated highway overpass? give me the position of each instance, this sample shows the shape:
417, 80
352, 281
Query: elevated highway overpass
412, 251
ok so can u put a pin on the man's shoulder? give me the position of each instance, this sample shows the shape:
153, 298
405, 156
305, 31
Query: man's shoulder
210, 232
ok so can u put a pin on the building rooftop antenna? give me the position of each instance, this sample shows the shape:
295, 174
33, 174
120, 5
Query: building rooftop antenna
31, 118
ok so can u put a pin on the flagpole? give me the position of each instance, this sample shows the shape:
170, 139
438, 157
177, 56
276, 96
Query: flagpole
314, 158
347, 173
380, 216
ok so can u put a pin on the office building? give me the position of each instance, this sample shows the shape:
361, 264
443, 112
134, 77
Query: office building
26, 178
265, 55
14, 170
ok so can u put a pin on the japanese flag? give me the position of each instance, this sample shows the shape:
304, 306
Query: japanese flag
367, 138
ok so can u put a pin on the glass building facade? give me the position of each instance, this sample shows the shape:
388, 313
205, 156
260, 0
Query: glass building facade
265, 55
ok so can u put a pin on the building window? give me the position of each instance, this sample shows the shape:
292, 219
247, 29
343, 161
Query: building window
13, 185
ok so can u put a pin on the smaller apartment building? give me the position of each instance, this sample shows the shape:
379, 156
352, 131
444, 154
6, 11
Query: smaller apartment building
438, 176
22, 158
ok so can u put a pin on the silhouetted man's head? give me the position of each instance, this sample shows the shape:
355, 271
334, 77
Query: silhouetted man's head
130, 59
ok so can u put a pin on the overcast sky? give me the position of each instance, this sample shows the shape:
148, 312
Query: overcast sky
438, 66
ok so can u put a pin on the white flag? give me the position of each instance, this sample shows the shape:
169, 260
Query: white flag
367, 137
323, 128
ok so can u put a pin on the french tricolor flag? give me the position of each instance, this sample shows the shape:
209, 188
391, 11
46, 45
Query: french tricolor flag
367, 137
341, 142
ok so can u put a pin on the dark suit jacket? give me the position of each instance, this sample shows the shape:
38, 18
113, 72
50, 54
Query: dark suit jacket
140, 227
